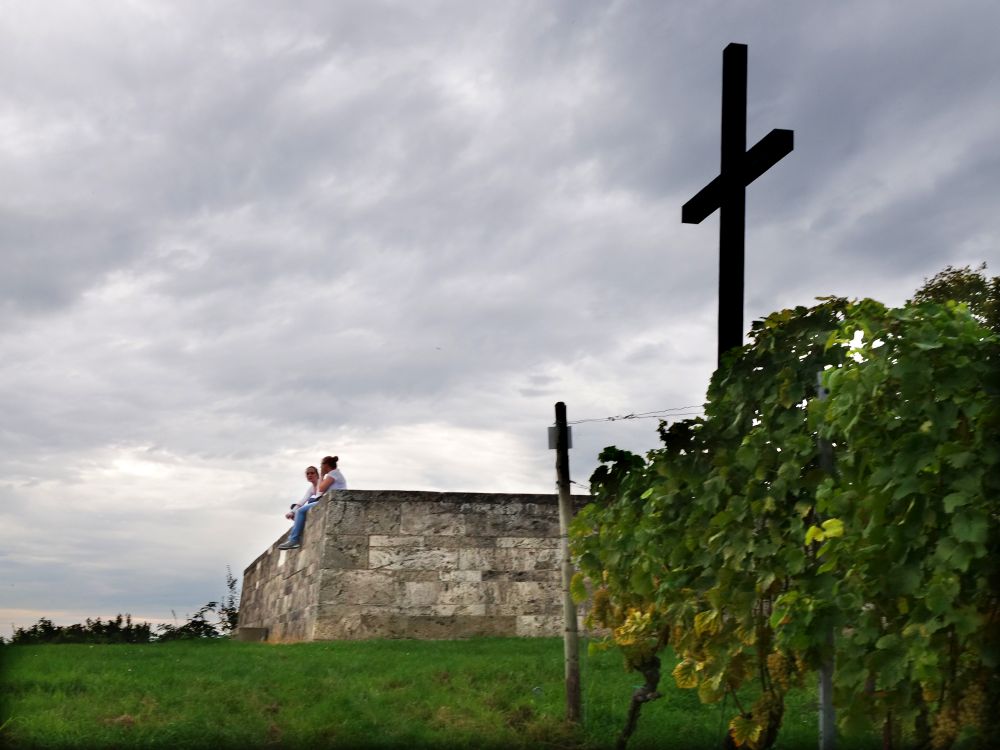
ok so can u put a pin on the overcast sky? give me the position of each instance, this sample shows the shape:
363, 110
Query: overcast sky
239, 236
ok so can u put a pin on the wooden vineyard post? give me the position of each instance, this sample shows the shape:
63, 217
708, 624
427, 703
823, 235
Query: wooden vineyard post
571, 647
827, 717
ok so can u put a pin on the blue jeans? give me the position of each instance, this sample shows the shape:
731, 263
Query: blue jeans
300, 522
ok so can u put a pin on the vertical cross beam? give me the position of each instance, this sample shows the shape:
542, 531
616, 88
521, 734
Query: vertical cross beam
733, 205
727, 192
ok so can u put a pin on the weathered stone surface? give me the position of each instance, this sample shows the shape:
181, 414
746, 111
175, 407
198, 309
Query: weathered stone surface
339, 622
430, 518
517, 575
384, 540
421, 593
396, 625
383, 517
528, 598
251, 634
346, 551
522, 542
359, 587
448, 610
468, 593
459, 542
412, 559
477, 558
535, 626
461, 575
517, 558
390, 564
417, 575
513, 525
345, 517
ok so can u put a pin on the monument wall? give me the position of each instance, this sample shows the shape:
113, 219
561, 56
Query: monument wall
397, 564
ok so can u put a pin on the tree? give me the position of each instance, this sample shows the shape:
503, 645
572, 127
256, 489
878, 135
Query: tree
980, 292
229, 608
198, 625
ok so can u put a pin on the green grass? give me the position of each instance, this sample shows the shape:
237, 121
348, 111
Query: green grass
481, 693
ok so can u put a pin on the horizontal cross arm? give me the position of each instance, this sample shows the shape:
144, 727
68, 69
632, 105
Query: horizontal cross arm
764, 154
767, 152
703, 204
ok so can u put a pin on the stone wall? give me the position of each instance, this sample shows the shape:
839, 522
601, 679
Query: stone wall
395, 564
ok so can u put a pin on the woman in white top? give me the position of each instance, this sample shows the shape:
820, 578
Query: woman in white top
332, 479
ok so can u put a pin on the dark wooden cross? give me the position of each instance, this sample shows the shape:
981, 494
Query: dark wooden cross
727, 192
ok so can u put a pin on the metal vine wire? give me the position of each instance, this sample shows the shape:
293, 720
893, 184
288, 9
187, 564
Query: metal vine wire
676, 411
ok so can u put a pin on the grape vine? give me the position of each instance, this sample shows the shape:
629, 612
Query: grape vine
732, 544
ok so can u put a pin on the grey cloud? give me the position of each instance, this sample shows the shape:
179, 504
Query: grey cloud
247, 234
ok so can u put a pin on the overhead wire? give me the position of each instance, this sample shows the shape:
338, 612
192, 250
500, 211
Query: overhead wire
675, 411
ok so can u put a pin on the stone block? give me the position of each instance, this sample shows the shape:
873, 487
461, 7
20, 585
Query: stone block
518, 558
383, 517
389, 625
346, 552
535, 626
412, 559
337, 622
251, 634
422, 519
460, 575
299, 559
478, 509
408, 576
458, 542
521, 575
443, 610
384, 540
419, 594
359, 587
477, 558
467, 593
528, 598
526, 542
511, 525
345, 517
530, 526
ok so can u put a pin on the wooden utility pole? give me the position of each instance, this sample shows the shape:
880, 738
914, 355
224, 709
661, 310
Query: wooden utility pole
727, 192
571, 647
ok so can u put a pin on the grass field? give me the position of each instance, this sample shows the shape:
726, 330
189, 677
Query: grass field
481, 693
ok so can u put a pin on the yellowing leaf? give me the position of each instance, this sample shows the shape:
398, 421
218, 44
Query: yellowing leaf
746, 636
711, 691
833, 527
814, 534
706, 622
685, 674
926, 426
902, 605
577, 589
744, 730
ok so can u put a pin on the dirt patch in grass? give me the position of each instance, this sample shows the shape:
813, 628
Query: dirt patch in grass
125, 720
518, 717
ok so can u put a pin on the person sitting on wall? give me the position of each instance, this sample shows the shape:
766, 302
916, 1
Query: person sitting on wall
332, 480
312, 476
